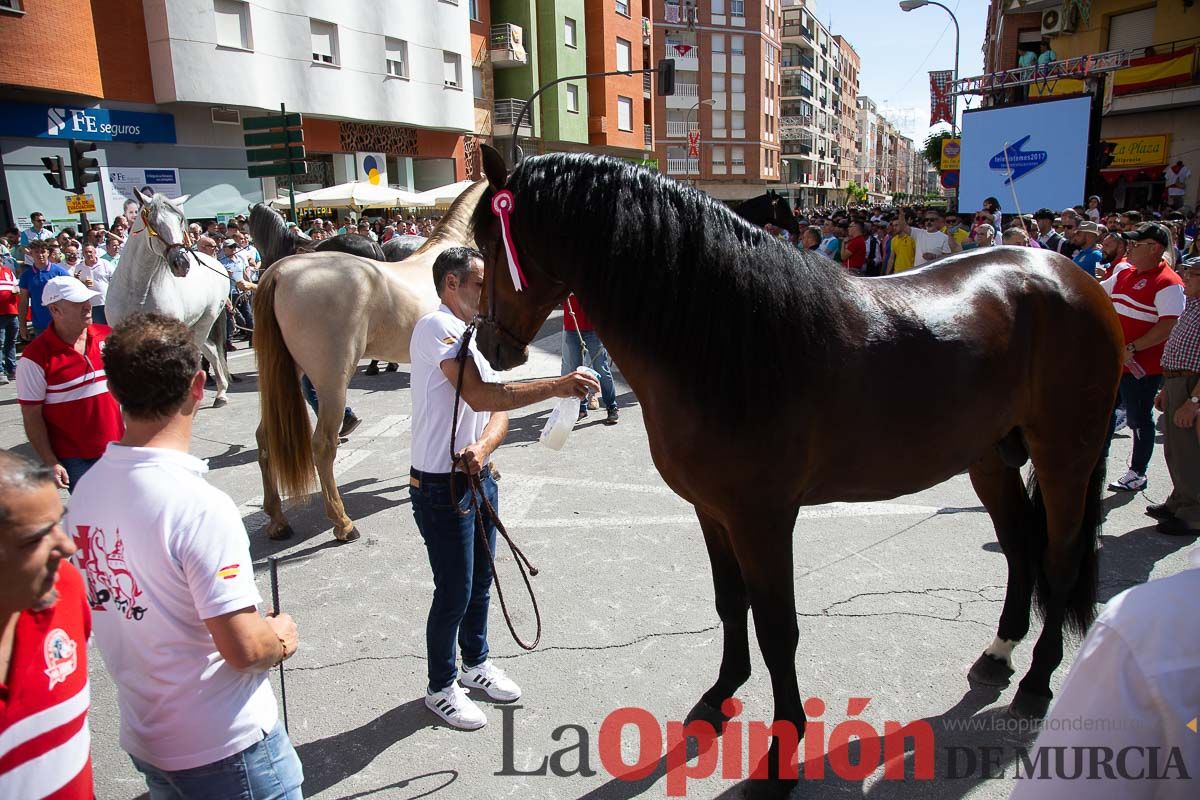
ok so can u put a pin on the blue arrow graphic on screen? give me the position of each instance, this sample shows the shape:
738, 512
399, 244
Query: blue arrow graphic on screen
1018, 161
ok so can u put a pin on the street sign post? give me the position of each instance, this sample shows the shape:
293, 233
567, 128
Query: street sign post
278, 149
81, 203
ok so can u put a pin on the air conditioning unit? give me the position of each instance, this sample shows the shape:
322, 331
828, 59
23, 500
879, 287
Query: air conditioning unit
1056, 21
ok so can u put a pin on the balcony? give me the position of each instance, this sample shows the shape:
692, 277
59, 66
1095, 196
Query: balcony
677, 130
648, 136
687, 56
672, 15
679, 166
647, 84
1176, 86
504, 117
685, 96
647, 32
506, 48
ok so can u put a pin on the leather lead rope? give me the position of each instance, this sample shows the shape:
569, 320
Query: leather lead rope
480, 505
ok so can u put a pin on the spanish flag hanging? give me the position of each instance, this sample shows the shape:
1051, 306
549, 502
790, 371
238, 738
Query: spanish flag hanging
1156, 72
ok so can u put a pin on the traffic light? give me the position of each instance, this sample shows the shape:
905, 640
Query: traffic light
56, 173
84, 168
666, 76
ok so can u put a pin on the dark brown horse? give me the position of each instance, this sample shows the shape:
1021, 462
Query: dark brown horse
810, 386
771, 208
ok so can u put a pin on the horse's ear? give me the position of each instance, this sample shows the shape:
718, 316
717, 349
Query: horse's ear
182, 199
144, 198
493, 167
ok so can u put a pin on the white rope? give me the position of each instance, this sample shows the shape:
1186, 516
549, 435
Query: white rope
1013, 186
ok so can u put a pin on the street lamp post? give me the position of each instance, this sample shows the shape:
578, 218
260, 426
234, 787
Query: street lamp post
912, 5
691, 110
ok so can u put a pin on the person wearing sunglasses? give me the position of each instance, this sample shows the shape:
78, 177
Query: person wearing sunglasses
932, 242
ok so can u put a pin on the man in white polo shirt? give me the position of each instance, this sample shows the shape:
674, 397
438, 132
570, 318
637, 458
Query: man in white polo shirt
175, 608
462, 575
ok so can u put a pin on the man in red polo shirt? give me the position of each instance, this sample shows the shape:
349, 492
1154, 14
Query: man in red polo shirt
854, 252
44, 628
68, 413
1148, 298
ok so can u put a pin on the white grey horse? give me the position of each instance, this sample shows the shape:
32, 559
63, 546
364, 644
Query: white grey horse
158, 273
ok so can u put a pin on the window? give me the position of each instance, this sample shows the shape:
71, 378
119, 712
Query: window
738, 155
473, 9
737, 8
718, 6
737, 44
623, 7
718, 154
718, 120
11, 5
737, 84
477, 82
569, 32
324, 41
624, 113
1132, 31
572, 98
739, 120
233, 24
624, 55
451, 70
397, 57
718, 43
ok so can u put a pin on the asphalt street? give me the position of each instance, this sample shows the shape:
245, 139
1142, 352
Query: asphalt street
896, 600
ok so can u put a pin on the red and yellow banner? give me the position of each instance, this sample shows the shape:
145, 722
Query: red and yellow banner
1155, 72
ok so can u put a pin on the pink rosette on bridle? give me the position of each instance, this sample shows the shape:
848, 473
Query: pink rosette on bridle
502, 206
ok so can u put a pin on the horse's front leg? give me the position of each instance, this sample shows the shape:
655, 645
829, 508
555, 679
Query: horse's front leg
215, 353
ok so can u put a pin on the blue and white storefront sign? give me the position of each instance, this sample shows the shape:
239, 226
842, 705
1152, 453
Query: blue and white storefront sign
88, 124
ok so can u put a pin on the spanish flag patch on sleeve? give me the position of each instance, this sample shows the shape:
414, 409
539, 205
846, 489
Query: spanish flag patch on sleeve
229, 572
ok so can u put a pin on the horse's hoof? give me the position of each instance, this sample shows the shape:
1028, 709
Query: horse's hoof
349, 536
702, 711
1029, 705
990, 671
282, 532
220, 402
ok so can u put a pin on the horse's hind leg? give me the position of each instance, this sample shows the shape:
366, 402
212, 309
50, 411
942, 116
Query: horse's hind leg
732, 607
762, 540
1002, 492
278, 528
331, 405
1066, 498
215, 353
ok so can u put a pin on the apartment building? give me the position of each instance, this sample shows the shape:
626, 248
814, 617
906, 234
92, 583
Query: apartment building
810, 103
163, 85
1151, 108
618, 38
869, 166
727, 55
479, 12
846, 84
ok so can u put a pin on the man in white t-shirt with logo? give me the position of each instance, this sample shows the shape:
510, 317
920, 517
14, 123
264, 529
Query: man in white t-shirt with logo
932, 243
462, 574
167, 567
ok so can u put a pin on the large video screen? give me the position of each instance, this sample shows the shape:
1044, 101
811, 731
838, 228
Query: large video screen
1038, 151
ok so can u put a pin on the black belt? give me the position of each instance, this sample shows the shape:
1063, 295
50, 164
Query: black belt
444, 477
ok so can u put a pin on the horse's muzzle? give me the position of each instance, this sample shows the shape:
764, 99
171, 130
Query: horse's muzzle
178, 261
497, 349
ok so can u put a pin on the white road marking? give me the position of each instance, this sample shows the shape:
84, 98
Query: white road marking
817, 512
517, 499
391, 425
345, 460
584, 483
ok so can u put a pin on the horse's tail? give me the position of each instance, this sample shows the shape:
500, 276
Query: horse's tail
285, 424
1080, 597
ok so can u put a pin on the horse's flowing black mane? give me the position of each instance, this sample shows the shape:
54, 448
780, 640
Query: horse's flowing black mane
275, 240
677, 275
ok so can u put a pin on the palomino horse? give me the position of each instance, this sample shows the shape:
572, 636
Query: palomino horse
772, 362
771, 208
158, 273
320, 313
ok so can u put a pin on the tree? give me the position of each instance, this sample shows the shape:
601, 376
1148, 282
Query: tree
933, 149
856, 192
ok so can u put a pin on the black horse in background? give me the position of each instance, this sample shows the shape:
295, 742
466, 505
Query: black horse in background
771, 208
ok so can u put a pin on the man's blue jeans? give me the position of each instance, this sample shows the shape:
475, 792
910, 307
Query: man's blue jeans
310, 395
9, 328
268, 770
462, 574
572, 357
1137, 395
76, 468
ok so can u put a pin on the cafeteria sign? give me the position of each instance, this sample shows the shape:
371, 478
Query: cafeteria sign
1139, 151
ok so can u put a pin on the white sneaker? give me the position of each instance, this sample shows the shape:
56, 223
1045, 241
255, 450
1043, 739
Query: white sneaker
455, 708
492, 680
1129, 482
3, 379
